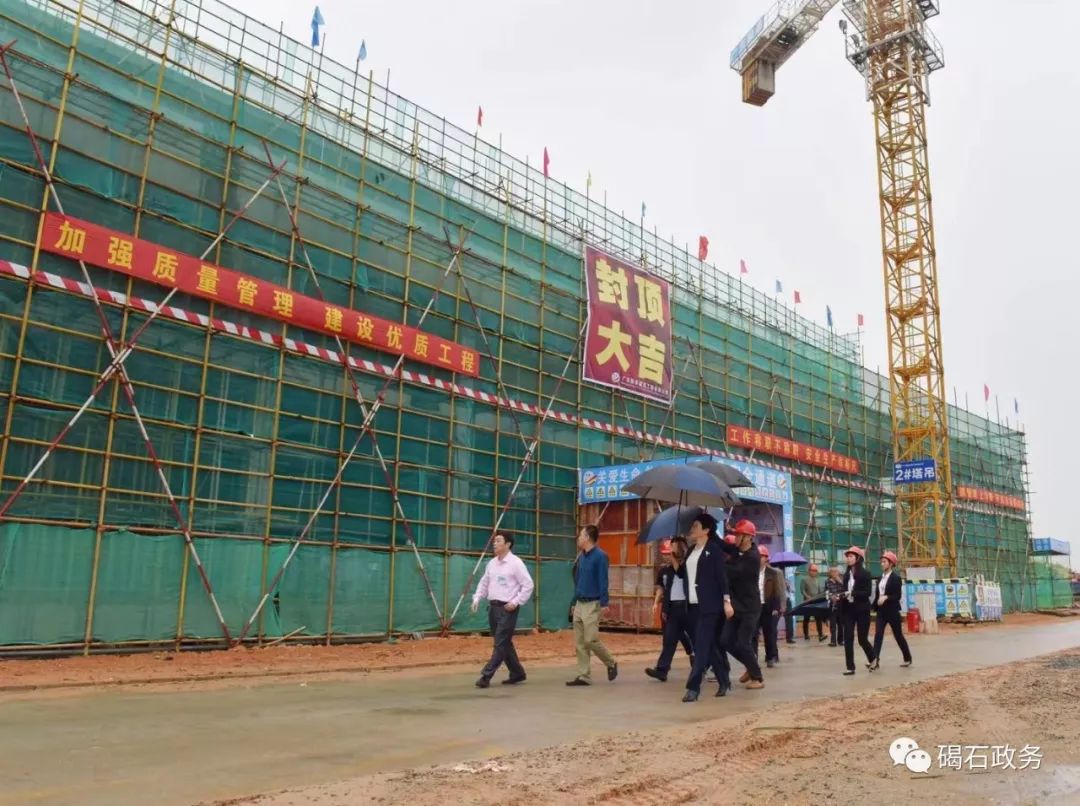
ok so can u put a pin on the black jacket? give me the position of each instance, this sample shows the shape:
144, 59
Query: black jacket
743, 578
863, 587
711, 579
664, 580
894, 590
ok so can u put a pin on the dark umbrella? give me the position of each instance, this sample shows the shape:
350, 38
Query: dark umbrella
672, 521
726, 473
811, 607
685, 485
787, 559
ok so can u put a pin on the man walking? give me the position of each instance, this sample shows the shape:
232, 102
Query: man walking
813, 586
740, 630
590, 596
771, 590
506, 585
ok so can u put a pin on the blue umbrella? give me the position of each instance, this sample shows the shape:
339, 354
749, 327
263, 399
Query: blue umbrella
787, 559
671, 522
684, 485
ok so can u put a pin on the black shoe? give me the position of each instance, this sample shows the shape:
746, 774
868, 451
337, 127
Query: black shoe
769, 664
821, 638
790, 641
690, 696
655, 674
849, 672
905, 664
874, 665
483, 682
832, 643
613, 671
577, 681
723, 690
513, 681
806, 637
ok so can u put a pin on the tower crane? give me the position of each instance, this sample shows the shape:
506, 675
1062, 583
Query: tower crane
889, 44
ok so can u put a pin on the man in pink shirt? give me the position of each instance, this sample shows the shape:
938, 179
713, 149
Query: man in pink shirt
506, 585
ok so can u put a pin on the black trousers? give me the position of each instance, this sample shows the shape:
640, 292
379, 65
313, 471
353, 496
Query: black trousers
857, 619
502, 623
708, 649
820, 620
789, 623
676, 631
768, 623
738, 637
836, 625
893, 620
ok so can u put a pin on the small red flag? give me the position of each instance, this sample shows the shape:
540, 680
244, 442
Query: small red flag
702, 247
742, 267
986, 393
547, 161
861, 322
479, 116
798, 298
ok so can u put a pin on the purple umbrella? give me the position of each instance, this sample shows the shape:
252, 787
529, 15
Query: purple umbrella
787, 559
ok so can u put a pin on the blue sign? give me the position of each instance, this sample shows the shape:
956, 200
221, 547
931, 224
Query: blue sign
915, 472
603, 484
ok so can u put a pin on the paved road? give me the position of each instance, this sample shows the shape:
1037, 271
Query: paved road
136, 746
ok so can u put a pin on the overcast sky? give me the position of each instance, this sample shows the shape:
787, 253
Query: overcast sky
641, 94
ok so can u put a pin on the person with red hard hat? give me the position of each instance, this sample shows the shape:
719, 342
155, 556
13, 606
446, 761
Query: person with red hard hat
889, 590
855, 603
772, 591
739, 630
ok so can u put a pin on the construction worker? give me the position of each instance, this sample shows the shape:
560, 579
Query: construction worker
740, 629
855, 608
887, 604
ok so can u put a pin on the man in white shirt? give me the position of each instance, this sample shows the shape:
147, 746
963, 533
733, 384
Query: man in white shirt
506, 585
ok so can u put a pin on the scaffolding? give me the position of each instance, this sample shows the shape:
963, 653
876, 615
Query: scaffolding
160, 119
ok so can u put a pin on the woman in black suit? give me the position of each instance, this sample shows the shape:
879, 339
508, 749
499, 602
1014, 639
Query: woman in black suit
887, 604
855, 601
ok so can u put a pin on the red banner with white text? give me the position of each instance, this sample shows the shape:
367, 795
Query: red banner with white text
108, 249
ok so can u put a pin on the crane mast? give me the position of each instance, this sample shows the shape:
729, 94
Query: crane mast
891, 46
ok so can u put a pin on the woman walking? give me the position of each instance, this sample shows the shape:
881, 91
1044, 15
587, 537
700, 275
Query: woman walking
887, 604
855, 602
672, 595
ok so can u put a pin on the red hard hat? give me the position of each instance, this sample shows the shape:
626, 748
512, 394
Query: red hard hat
856, 551
745, 527
888, 555
665, 547
731, 539
763, 551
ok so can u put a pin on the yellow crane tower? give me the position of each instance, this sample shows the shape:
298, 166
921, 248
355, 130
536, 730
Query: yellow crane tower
889, 43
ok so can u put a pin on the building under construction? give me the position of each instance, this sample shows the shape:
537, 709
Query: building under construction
214, 471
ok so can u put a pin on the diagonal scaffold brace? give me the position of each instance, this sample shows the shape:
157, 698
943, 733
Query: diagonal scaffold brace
366, 425
358, 396
118, 354
529, 454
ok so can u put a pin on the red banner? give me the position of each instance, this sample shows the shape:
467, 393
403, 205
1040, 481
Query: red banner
989, 497
99, 246
789, 449
628, 338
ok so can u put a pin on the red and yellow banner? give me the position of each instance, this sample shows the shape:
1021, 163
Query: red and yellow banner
628, 337
100, 246
989, 497
790, 449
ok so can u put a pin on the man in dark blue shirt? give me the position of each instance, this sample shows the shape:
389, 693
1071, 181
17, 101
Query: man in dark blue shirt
590, 595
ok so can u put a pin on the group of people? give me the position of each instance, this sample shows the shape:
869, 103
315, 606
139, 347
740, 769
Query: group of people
716, 596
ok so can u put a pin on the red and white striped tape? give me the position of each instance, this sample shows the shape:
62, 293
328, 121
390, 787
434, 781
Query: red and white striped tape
265, 337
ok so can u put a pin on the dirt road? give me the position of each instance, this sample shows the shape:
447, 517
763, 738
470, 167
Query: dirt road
215, 726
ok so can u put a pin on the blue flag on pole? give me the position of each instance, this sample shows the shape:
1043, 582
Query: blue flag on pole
316, 21
363, 51
779, 288
828, 316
